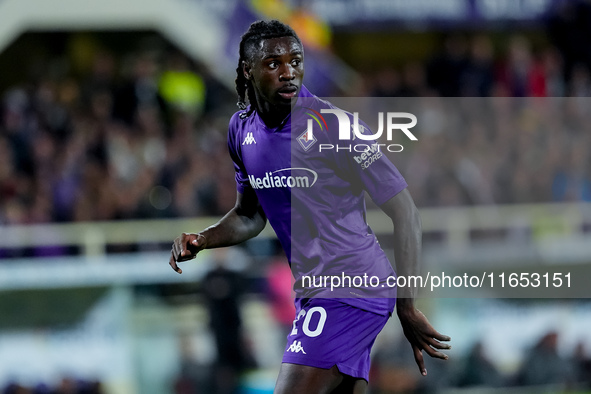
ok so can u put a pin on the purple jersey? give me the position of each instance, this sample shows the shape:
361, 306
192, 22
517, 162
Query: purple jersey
315, 201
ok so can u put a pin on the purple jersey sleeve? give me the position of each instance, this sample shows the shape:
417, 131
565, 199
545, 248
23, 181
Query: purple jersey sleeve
234, 137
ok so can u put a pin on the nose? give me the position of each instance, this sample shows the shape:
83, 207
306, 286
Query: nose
287, 73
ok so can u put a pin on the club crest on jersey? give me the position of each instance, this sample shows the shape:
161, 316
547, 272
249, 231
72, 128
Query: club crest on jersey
307, 139
249, 139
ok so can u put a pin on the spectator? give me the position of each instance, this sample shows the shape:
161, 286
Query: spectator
223, 289
478, 370
87, 148
477, 78
521, 75
445, 69
543, 365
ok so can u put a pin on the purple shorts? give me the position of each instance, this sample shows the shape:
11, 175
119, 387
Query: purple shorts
328, 332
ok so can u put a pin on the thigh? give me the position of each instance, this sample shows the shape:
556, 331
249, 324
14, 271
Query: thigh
303, 379
351, 385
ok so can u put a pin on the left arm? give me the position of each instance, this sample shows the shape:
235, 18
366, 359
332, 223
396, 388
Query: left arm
407, 248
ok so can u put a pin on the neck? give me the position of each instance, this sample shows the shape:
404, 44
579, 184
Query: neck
273, 116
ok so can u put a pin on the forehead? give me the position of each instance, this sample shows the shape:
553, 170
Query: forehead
279, 46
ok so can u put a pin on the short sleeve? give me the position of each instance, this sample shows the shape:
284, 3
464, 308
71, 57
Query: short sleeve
241, 176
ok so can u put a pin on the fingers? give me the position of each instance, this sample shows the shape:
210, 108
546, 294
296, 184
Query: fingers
428, 344
422, 336
432, 343
176, 248
421, 340
437, 345
418, 354
182, 247
172, 263
183, 251
419, 360
185, 247
432, 333
440, 337
434, 353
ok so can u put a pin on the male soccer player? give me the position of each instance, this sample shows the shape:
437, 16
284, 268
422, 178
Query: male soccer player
314, 201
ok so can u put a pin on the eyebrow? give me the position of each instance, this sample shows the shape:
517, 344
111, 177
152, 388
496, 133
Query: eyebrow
294, 53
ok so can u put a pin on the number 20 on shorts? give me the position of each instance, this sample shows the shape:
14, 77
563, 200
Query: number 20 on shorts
306, 324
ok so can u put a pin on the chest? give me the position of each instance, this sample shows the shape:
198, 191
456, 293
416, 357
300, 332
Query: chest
263, 151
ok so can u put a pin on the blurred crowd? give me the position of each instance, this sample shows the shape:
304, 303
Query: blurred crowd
542, 369
497, 150
64, 386
137, 140
492, 150
144, 136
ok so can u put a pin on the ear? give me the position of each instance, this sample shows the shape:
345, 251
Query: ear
246, 70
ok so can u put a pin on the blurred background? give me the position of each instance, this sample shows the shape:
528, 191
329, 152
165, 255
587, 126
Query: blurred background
113, 117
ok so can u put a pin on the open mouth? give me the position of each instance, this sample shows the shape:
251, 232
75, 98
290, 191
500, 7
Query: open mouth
288, 92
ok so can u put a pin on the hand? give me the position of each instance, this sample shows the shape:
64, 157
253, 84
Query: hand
422, 336
185, 247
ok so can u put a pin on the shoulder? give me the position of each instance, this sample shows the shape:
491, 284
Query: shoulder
239, 119
313, 107
312, 102
238, 122
309, 100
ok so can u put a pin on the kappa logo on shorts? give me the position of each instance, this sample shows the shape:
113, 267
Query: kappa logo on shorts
296, 347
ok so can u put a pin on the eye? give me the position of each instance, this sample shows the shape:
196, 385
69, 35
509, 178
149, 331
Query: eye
273, 64
296, 62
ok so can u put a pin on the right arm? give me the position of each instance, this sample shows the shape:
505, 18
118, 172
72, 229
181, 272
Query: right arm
246, 220
407, 248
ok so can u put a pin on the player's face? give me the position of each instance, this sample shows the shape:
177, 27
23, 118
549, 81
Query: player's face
277, 70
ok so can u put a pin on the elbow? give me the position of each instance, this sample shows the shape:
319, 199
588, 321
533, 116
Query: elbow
258, 222
261, 222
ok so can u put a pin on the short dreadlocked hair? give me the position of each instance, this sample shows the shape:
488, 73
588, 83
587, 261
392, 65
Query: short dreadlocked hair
259, 30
